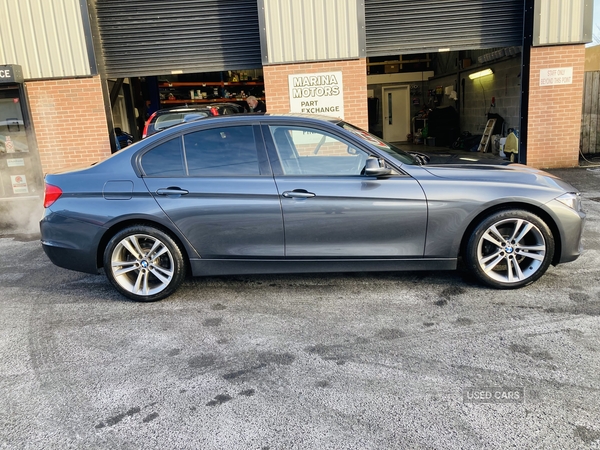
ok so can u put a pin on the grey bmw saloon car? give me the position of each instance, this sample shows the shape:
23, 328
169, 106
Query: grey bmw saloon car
248, 194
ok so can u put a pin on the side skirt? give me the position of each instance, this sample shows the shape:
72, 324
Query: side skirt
204, 267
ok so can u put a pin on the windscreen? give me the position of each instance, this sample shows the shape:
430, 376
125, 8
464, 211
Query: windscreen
388, 148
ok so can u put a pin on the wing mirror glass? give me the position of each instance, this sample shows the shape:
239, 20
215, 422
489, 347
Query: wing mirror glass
375, 167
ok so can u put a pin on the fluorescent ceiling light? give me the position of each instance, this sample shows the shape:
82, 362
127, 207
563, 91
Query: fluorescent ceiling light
481, 73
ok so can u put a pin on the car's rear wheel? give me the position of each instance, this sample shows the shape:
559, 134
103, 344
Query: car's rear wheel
144, 263
510, 249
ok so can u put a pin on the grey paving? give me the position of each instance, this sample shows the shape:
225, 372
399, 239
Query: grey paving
357, 361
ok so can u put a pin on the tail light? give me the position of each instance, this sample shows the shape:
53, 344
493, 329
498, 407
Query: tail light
51, 194
148, 122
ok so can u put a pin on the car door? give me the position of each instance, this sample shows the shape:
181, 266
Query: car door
216, 186
331, 210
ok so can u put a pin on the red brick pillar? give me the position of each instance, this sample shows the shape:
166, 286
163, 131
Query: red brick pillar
69, 120
354, 78
555, 109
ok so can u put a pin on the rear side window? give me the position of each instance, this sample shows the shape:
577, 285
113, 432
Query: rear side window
226, 151
164, 160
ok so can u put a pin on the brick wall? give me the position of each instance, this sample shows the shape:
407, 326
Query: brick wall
354, 78
69, 121
555, 111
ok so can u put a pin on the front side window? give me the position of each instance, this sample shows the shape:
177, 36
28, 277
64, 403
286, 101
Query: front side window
164, 160
307, 151
225, 151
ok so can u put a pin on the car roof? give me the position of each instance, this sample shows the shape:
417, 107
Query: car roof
218, 104
249, 118
183, 109
269, 117
289, 117
202, 107
318, 117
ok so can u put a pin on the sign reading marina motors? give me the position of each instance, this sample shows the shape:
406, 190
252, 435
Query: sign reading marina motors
11, 74
317, 93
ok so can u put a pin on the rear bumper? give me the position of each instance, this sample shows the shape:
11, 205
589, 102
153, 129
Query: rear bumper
69, 243
69, 258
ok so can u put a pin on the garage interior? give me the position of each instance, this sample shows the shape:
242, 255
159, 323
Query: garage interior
134, 99
446, 107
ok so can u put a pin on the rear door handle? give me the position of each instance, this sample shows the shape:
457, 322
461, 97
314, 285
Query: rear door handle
172, 191
298, 193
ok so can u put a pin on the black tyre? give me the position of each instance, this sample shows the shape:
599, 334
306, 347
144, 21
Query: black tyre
144, 263
510, 249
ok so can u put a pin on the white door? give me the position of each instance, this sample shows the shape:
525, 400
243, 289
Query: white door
396, 113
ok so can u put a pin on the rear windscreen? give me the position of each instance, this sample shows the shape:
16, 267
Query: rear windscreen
168, 120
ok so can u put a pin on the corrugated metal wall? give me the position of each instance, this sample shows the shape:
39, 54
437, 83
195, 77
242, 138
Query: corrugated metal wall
312, 30
562, 22
45, 37
396, 27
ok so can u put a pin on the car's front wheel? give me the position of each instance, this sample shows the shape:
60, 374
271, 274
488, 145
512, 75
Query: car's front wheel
510, 249
144, 263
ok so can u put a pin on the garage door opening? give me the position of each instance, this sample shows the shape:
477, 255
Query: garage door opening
436, 103
432, 50
135, 100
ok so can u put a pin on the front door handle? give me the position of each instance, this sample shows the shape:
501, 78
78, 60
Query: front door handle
298, 193
172, 191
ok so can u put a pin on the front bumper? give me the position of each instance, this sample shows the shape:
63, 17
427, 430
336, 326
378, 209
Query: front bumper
570, 223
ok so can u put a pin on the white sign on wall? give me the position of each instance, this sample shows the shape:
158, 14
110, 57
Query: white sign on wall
552, 77
317, 93
19, 184
15, 162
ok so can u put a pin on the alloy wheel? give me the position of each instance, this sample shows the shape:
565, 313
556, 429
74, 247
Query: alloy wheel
511, 250
142, 265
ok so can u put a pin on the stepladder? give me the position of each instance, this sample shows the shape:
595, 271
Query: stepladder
487, 135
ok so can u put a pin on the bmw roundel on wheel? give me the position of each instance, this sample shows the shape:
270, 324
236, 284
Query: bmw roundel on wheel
295, 193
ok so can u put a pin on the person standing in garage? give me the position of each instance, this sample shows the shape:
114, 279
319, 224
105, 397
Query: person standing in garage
256, 105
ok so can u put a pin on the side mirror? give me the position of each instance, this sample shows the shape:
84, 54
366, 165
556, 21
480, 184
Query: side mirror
373, 168
420, 157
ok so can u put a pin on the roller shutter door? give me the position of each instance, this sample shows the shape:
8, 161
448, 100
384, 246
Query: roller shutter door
395, 27
157, 37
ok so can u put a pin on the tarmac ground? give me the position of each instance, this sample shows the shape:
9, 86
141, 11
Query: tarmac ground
318, 361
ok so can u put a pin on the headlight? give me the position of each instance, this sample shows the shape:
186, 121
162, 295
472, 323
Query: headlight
571, 199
